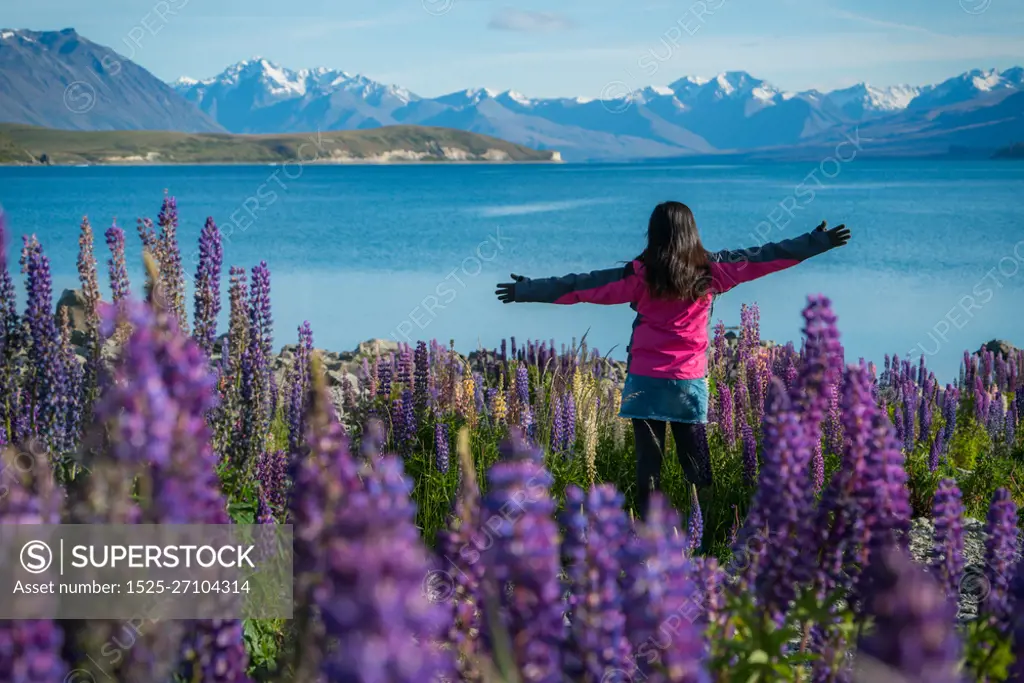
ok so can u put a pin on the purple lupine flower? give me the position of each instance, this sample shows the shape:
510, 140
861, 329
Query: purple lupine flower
695, 526
46, 384
522, 388
1011, 422
30, 649
271, 474
557, 426
659, 588
373, 542
750, 546
910, 400
996, 423
980, 401
740, 404
216, 652
712, 580
91, 293
405, 427
898, 425
261, 321
948, 552
987, 364
787, 507
936, 452
298, 388
441, 442
238, 298
597, 638
725, 414
207, 286
914, 634
404, 367
526, 554
421, 361
749, 456
172, 275
384, 380
1000, 549
817, 465
888, 519
150, 241
759, 376
349, 402
834, 422
925, 417
750, 330
154, 406
949, 405
820, 373
257, 390
78, 398
721, 346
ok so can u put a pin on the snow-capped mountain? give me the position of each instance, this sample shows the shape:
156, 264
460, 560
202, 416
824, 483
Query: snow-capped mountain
968, 86
258, 96
863, 101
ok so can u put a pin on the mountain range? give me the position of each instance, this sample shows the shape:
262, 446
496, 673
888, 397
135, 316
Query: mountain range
58, 79
734, 112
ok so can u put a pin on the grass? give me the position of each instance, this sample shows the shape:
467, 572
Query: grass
29, 144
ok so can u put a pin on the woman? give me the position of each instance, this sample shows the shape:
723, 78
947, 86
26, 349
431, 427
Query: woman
671, 286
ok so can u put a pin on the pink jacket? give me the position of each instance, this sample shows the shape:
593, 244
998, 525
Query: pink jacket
670, 337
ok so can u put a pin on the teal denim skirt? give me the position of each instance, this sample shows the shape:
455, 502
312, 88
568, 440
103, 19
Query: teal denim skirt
665, 400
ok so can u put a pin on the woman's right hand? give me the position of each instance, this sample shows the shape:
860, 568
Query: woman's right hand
506, 291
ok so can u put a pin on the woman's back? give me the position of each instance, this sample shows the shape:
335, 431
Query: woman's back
670, 337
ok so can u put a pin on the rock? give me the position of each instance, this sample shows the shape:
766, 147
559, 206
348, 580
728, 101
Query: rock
74, 301
337, 379
368, 347
999, 347
972, 587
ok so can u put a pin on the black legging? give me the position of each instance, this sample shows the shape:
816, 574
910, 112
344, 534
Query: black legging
691, 449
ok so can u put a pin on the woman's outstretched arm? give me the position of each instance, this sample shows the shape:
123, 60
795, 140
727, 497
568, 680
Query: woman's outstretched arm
732, 267
608, 287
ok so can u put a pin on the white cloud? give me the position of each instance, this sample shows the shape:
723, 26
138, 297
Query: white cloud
530, 22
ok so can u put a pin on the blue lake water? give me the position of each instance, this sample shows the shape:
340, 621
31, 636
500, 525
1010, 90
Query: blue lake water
936, 264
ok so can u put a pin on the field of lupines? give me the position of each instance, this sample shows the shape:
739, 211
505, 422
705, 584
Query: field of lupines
469, 519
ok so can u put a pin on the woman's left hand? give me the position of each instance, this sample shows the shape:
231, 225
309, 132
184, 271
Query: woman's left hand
506, 291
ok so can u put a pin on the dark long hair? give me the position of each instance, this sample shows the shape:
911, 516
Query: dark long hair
675, 261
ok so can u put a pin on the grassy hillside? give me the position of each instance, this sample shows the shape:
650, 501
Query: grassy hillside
29, 144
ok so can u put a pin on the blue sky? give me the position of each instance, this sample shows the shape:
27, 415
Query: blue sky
557, 47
